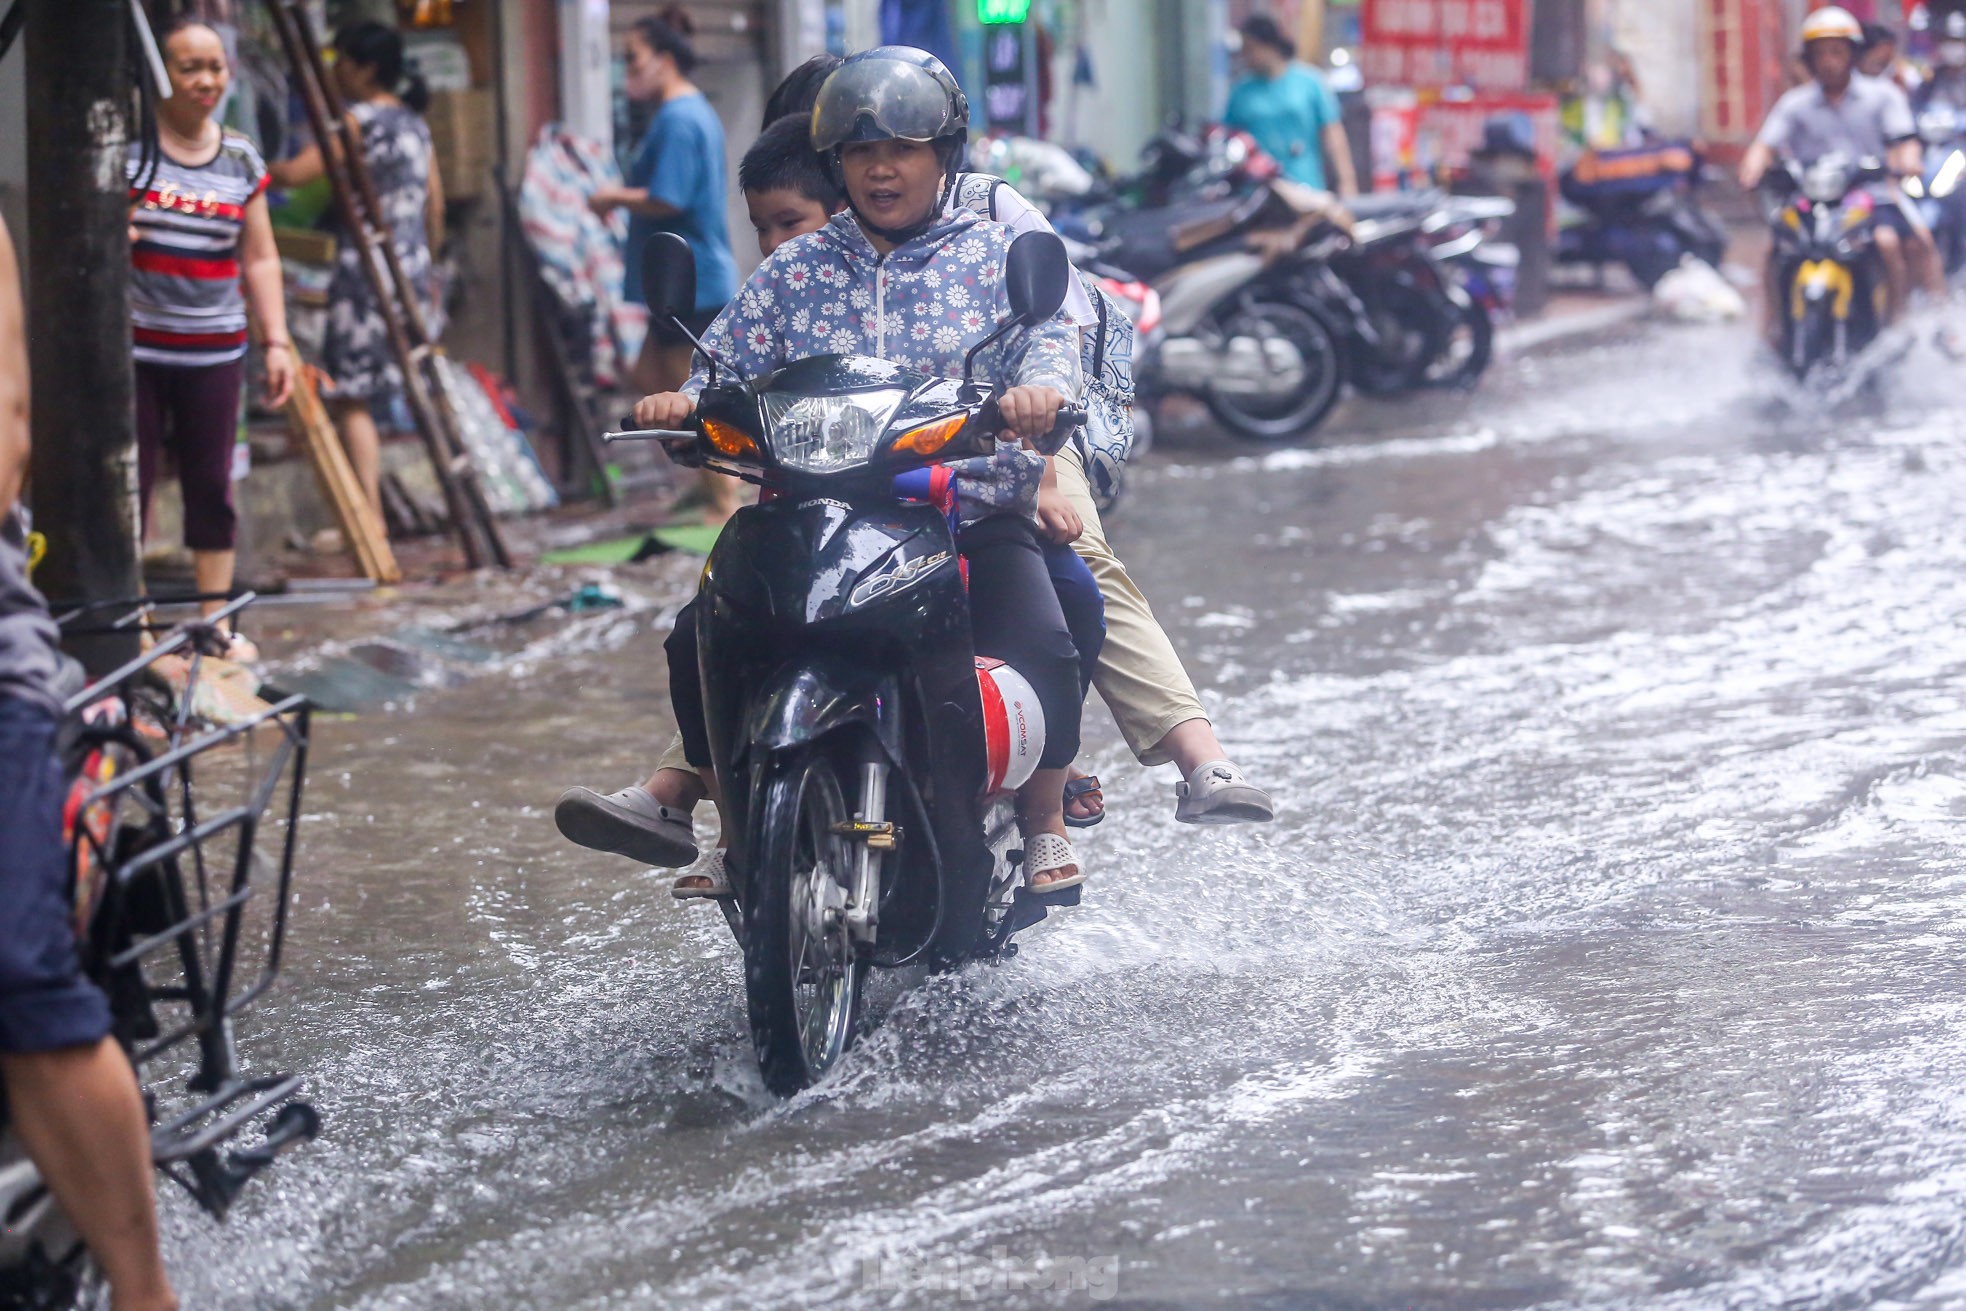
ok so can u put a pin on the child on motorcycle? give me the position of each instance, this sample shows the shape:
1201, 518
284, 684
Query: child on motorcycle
789, 193
898, 278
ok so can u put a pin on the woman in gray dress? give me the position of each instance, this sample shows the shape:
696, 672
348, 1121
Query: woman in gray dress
385, 100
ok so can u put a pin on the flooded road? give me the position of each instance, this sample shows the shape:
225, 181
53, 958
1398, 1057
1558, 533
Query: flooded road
1606, 951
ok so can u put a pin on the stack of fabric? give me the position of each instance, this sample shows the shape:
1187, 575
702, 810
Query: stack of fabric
579, 252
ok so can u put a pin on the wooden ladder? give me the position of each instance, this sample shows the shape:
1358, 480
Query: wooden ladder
361, 214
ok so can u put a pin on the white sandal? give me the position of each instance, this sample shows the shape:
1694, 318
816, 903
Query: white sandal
1044, 852
711, 868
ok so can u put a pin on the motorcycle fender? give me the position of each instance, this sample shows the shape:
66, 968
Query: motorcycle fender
804, 702
1821, 278
1190, 292
1456, 293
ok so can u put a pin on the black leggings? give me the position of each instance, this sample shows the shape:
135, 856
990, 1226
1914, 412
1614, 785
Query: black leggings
1015, 616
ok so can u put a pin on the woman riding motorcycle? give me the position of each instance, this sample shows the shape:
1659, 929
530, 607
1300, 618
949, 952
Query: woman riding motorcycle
897, 277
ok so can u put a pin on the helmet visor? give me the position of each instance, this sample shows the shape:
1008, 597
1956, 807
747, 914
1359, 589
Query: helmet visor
880, 100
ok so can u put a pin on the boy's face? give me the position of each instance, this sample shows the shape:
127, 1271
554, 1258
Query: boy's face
782, 213
896, 184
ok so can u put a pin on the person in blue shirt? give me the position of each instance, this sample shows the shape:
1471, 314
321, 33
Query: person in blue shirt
1290, 109
676, 183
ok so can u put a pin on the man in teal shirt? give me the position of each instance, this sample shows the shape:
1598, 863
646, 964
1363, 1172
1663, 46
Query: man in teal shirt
1290, 110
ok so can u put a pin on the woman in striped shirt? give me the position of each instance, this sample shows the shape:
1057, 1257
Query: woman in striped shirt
203, 264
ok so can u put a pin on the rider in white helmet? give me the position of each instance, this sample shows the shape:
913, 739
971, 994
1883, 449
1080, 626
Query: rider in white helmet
1843, 112
1947, 84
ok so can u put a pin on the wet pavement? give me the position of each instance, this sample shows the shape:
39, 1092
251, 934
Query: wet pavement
1605, 952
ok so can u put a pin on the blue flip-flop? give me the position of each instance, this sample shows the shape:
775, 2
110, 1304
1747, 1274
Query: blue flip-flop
1077, 789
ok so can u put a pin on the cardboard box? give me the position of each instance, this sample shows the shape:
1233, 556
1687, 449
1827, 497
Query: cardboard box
462, 125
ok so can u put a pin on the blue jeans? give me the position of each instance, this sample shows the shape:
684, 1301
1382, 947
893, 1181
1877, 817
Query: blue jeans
45, 1003
1085, 609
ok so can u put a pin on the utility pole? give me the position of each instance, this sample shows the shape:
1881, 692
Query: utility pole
83, 487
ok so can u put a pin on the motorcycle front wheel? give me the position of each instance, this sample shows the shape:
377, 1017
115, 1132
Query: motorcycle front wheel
1413, 336
1469, 349
802, 973
1306, 406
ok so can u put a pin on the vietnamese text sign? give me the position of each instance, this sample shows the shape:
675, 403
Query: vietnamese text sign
1435, 43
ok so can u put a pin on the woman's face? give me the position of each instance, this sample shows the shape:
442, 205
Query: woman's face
354, 81
895, 184
195, 59
649, 73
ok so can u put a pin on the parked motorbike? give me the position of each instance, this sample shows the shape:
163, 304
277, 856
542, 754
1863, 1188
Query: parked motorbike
1639, 207
1830, 281
1937, 193
181, 914
867, 758
1404, 281
1269, 367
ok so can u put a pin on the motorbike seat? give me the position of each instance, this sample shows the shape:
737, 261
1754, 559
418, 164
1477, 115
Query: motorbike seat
1380, 205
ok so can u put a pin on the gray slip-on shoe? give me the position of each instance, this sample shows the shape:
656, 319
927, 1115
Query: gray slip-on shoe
627, 823
1217, 793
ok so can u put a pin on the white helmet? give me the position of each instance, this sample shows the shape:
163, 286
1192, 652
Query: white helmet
1832, 24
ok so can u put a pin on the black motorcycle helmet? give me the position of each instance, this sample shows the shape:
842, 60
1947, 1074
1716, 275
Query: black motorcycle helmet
893, 93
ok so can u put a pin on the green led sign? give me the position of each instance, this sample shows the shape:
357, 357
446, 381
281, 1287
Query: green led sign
1003, 11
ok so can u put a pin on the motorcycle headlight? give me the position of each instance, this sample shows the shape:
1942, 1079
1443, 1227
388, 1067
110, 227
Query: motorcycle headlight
1947, 180
824, 434
1827, 180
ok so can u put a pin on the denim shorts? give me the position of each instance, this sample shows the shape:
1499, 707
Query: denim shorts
45, 1003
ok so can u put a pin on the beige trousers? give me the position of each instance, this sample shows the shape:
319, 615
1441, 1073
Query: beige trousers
1139, 675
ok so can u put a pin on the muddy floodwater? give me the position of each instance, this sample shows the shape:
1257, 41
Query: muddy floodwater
1607, 950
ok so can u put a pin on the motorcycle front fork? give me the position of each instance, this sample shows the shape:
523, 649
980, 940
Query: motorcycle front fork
874, 837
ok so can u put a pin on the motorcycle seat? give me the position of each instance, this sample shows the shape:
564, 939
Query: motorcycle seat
1380, 205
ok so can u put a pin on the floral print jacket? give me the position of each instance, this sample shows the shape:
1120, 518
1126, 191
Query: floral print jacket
923, 306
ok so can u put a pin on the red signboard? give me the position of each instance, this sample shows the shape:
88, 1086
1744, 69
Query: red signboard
1437, 43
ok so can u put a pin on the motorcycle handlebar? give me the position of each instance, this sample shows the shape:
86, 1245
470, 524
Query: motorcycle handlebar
1069, 417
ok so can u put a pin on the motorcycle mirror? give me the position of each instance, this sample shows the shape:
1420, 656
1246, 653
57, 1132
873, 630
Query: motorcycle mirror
1036, 277
1037, 274
669, 286
668, 274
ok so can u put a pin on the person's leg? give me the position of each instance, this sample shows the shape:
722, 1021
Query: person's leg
1085, 611
1016, 618
363, 442
1138, 673
80, 1116
1773, 289
675, 781
1927, 268
73, 1098
207, 423
634, 822
1897, 277
1145, 685
152, 397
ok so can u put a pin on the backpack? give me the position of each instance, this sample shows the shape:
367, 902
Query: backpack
1106, 360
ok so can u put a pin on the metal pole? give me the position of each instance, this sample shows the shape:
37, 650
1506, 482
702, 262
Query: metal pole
83, 488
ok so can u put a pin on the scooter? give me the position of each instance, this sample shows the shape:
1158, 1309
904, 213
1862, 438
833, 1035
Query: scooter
1269, 367
1638, 207
1937, 193
1831, 283
868, 759
163, 881
1401, 281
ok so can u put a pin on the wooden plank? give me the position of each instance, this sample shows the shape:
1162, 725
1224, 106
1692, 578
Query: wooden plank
367, 540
